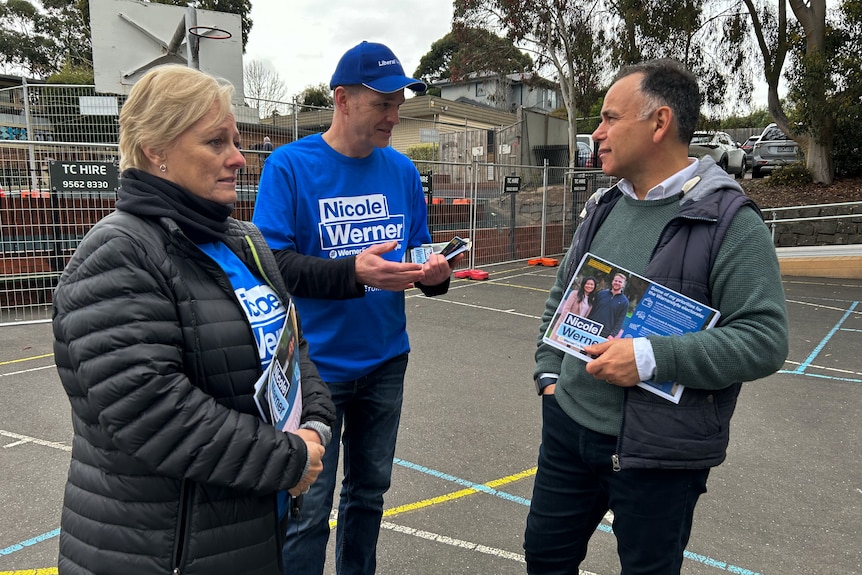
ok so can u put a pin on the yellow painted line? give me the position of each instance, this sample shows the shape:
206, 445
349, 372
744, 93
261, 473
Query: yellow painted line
512, 478
19, 361
45, 571
451, 496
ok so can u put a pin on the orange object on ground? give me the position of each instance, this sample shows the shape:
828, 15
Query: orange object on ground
547, 262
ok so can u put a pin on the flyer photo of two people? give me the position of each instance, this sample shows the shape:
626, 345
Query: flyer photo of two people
605, 301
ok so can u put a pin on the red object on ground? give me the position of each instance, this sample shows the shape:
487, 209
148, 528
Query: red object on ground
471, 274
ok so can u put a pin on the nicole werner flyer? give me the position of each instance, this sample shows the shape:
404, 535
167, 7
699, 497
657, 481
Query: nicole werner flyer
605, 301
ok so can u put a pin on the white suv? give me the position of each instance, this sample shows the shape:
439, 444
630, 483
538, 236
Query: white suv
772, 150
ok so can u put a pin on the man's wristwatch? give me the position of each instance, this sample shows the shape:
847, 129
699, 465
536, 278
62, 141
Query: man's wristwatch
542, 382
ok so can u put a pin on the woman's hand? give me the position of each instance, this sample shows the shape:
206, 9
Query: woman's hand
315, 461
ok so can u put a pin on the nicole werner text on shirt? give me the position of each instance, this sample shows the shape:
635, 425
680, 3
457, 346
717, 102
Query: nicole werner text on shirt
350, 224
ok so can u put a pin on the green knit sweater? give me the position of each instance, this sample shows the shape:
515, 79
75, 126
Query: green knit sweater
746, 289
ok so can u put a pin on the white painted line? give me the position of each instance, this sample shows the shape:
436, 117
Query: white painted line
832, 369
460, 543
52, 366
474, 306
26, 439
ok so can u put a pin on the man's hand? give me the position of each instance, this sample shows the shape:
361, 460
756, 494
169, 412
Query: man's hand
437, 269
615, 362
373, 270
315, 462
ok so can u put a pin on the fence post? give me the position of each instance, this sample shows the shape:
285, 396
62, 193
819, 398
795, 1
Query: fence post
34, 183
772, 226
544, 204
474, 186
295, 118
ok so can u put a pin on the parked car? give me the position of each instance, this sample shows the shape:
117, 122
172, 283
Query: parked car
721, 148
773, 149
748, 148
586, 158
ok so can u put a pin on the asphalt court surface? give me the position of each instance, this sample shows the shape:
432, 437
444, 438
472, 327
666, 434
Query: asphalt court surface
788, 500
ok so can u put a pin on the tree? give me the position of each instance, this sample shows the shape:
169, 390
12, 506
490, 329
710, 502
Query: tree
847, 101
467, 50
812, 77
708, 38
263, 85
315, 97
38, 39
567, 36
584, 41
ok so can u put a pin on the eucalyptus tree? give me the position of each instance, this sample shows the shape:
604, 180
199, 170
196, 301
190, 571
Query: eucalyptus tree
567, 37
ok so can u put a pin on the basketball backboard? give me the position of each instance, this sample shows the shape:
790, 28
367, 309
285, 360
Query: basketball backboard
130, 37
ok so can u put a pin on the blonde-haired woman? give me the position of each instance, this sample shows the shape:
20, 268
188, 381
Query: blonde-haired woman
164, 319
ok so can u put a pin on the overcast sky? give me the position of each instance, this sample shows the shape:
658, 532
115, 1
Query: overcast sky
304, 39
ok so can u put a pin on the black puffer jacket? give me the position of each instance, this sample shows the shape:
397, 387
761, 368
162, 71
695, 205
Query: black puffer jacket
172, 469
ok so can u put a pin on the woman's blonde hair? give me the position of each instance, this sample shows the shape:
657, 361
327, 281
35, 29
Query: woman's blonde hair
163, 104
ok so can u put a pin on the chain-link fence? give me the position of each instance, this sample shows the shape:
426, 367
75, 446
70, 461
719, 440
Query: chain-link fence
58, 177
510, 213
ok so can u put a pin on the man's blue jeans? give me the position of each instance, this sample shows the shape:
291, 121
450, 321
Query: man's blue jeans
575, 486
369, 410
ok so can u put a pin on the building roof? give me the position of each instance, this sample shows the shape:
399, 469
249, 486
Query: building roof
419, 107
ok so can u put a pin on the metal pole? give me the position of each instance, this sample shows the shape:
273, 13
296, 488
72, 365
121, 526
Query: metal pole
34, 181
772, 226
295, 118
193, 42
467, 154
544, 204
474, 186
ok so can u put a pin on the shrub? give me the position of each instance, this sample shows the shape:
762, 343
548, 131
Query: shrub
795, 174
421, 152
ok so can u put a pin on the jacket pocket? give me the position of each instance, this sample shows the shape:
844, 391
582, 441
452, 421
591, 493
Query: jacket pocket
183, 526
693, 434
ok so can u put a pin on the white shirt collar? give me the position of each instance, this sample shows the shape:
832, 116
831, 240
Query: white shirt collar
669, 187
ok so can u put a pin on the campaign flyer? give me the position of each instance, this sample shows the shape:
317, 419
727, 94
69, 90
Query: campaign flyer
605, 301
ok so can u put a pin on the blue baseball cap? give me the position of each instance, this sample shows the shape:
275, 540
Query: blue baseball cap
374, 66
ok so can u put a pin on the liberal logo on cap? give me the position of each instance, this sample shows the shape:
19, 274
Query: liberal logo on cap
374, 66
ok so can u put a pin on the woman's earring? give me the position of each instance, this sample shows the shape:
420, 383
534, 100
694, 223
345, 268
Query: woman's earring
163, 168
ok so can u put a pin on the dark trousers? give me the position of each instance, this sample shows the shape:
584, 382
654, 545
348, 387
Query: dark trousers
576, 485
368, 409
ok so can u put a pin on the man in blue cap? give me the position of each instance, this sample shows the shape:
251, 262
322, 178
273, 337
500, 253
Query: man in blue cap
339, 210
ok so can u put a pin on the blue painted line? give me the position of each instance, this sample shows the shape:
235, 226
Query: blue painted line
464, 482
708, 561
29, 542
822, 344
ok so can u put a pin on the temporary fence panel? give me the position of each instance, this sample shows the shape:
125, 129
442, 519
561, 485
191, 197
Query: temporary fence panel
467, 168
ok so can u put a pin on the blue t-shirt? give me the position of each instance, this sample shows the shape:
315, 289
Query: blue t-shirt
265, 311
318, 202
263, 308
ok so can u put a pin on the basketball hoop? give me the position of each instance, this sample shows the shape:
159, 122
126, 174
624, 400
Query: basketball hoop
209, 32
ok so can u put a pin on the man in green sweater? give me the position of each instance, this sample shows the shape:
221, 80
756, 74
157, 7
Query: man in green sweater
607, 444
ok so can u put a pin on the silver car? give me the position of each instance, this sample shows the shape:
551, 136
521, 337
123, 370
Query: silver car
721, 147
772, 150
